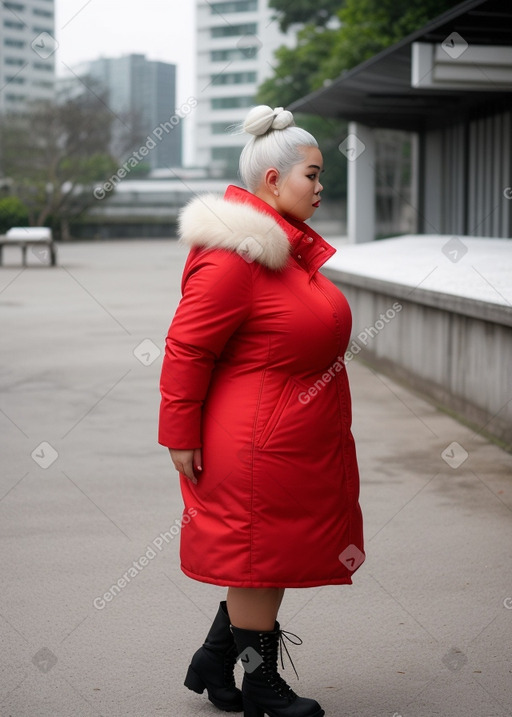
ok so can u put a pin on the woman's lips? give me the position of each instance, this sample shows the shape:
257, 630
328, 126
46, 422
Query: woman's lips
317, 204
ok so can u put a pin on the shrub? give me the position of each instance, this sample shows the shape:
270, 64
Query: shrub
13, 213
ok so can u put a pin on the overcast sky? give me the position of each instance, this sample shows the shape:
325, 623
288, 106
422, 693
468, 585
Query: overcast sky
161, 29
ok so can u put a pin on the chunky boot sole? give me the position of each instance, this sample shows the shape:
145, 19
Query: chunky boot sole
196, 683
251, 709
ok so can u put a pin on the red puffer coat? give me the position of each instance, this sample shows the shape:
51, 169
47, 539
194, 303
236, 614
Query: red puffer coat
253, 373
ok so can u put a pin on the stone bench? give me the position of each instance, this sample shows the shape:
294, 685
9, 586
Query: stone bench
39, 238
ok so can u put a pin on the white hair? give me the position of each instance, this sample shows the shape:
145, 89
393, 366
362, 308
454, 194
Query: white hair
276, 142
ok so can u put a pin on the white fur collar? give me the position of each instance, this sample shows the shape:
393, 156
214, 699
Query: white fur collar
215, 223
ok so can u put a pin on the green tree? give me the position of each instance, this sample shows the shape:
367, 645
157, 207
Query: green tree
344, 37
304, 11
12, 213
298, 70
369, 26
55, 154
336, 36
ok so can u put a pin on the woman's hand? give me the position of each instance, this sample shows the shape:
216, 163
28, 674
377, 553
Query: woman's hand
188, 462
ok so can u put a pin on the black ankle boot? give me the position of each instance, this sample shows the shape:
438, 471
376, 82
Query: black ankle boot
264, 691
212, 666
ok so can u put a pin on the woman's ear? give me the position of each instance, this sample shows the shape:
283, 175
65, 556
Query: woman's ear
271, 180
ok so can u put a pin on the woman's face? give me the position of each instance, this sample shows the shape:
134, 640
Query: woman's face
299, 191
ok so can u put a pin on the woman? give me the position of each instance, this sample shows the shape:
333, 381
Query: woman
256, 413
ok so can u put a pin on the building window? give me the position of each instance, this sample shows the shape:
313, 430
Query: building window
219, 127
14, 6
245, 53
15, 80
236, 6
15, 98
39, 30
42, 13
43, 66
234, 78
10, 42
229, 103
249, 28
230, 156
13, 25
18, 61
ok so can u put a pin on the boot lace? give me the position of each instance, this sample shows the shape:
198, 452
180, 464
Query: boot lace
269, 648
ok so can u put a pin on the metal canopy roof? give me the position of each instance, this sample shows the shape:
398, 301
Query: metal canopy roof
378, 92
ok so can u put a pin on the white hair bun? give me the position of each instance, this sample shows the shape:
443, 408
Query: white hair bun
262, 118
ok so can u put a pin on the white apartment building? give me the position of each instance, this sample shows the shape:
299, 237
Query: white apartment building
27, 53
236, 41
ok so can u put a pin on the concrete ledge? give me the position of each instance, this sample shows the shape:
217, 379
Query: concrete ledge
455, 349
475, 308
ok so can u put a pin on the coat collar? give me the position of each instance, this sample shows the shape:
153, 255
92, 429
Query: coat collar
244, 223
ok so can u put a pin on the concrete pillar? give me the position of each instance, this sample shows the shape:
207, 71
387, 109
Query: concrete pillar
432, 183
415, 180
359, 148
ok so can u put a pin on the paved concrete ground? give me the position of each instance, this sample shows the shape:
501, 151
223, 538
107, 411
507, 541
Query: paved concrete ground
86, 492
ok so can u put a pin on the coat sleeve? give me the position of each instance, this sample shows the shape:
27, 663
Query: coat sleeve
216, 299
